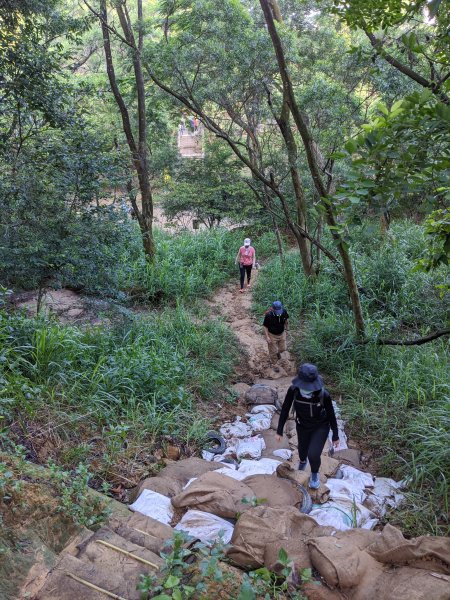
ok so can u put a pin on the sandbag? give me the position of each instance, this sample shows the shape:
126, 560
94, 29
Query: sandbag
183, 470
250, 447
205, 526
404, 583
287, 471
153, 505
261, 394
425, 552
162, 485
341, 559
217, 494
263, 525
143, 531
274, 491
270, 439
349, 456
259, 421
343, 514
238, 429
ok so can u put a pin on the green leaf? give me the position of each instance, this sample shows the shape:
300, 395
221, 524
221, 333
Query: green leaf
177, 595
283, 556
246, 592
351, 146
171, 582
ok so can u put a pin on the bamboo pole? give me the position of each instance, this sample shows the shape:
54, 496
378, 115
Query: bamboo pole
95, 587
129, 554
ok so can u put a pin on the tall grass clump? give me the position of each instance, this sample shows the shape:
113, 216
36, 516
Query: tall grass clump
396, 398
187, 266
102, 394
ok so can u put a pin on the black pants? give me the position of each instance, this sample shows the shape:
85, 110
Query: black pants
311, 443
243, 269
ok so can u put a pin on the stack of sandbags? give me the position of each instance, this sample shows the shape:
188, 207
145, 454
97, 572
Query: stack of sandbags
368, 565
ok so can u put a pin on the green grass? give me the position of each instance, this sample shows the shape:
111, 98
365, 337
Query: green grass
187, 266
132, 387
396, 398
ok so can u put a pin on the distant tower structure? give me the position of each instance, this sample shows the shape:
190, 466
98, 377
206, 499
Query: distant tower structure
190, 138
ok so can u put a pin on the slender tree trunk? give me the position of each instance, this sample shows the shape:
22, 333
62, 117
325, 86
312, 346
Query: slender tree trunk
308, 144
138, 150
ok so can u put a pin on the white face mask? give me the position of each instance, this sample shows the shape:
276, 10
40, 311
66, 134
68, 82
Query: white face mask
306, 393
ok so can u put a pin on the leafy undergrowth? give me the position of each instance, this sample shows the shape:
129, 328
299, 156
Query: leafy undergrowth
199, 572
111, 398
395, 398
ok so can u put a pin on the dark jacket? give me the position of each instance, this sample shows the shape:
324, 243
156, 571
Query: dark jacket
309, 417
274, 323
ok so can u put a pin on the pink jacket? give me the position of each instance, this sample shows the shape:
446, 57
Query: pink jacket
246, 255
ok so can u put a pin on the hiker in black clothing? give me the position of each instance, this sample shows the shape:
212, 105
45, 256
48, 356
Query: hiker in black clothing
314, 416
275, 327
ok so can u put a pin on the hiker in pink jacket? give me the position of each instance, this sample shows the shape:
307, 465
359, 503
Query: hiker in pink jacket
246, 258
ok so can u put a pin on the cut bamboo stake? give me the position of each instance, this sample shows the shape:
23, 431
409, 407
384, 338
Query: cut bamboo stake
95, 587
129, 554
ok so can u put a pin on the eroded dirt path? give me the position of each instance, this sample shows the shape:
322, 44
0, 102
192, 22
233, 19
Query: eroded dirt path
235, 309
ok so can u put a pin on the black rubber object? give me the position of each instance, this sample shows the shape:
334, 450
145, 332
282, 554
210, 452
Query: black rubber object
306, 506
220, 449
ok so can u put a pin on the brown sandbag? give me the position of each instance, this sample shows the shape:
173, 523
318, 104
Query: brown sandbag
270, 439
425, 552
274, 491
287, 471
184, 470
404, 583
217, 494
143, 531
349, 456
341, 559
262, 525
160, 484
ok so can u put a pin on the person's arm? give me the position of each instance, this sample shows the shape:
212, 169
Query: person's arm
285, 410
254, 258
331, 416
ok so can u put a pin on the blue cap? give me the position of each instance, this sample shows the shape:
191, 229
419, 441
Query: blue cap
277, 308
308, 378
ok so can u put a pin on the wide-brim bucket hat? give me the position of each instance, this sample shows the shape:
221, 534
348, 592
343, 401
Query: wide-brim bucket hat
308, 378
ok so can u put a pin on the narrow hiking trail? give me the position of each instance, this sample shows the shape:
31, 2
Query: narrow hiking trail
236, 310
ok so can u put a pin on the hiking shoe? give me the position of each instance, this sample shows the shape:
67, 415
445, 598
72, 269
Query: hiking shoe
314, 481
302, 465
249, 285
242, 291
276, 369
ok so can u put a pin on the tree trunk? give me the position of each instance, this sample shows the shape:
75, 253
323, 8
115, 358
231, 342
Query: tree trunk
308, 144
138, 151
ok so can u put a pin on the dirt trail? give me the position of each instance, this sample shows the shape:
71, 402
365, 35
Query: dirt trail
235, 308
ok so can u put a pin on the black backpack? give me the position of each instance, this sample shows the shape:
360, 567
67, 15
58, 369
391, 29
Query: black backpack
308, 409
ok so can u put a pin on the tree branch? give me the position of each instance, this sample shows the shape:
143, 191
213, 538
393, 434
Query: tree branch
377, 45
418, 342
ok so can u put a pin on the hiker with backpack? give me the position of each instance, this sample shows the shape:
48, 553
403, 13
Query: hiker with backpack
314, 416
246, 258
275, 327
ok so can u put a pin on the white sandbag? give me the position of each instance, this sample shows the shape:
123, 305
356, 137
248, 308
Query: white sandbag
152, 504
264, 466
343, 514
205, 526
357, 477
260, 421
384, 494
270, 409
283, 453
207, 455
341, 428
250, 447
343, 487
233, 474
238, 429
